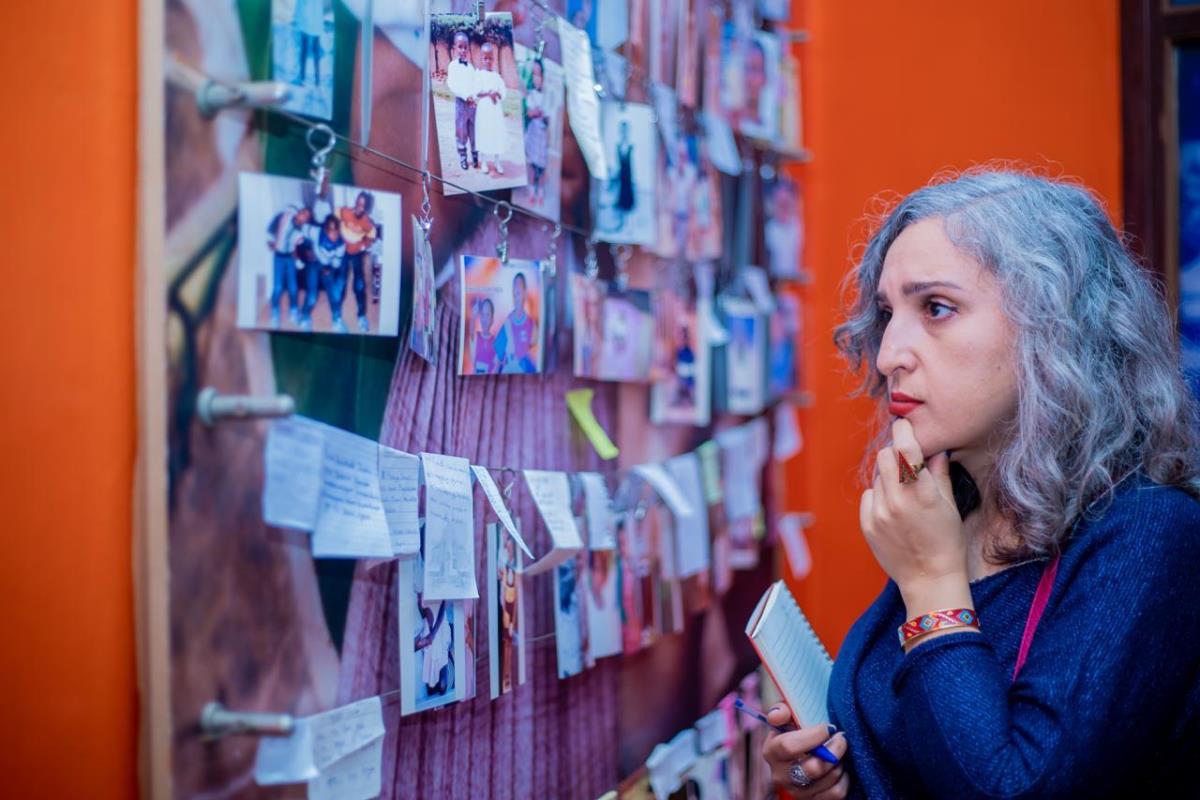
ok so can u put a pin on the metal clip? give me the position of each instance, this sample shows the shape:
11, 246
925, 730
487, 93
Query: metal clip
503, 213
426, 216
319, 171
622, 254
552, 253
212, 407
591, 264
217, 721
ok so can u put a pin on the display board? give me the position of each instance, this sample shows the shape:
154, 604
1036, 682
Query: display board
255, 621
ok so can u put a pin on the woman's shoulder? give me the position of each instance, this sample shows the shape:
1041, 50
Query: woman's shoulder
1161, 520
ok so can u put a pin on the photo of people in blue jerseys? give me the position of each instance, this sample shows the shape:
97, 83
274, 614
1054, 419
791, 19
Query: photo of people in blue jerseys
324, 264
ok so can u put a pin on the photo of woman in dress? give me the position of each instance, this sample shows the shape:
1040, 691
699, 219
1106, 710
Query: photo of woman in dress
625, 202
545, 96
491, 136
537, 135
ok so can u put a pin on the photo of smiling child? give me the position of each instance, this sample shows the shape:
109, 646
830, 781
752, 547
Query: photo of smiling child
544, 84
501, 331
477, 101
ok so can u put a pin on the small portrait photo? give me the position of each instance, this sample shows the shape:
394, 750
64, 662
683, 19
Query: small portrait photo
783, 227
745, 356
302, 54
614, 331
791, 119
783, 366
327, 264
689, 205
544, 87
506, 603
500, 332
477, 101
750, 82
422, 338
606, 21
682, 396
624, 202
433, 651
603, 610
570, 631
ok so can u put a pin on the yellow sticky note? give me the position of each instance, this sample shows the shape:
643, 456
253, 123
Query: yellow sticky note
579, 402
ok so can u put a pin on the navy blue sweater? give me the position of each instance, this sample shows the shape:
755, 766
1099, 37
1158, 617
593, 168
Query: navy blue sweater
1107, 705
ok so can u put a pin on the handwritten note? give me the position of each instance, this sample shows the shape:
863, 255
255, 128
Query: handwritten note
741, 471
598, 510
358, 776
292, 468
551, 493
320, 745
665, 485
399, 486
709, 454
449, 528
691, 530
492, 492
579, 402
341, 731
350, 519
583, 107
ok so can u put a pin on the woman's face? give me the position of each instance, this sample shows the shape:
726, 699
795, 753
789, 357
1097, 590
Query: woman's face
947, 344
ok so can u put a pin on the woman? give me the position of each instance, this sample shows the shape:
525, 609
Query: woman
1042, 442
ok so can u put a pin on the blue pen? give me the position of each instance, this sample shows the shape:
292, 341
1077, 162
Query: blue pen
820, 751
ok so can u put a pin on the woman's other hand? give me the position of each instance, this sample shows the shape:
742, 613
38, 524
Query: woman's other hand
783, 750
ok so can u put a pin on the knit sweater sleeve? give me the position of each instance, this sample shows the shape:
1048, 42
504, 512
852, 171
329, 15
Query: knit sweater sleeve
1108, 670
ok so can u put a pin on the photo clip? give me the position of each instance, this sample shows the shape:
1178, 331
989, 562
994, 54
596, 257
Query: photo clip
622, 254
320, 152
552, 252
426, 219
591, 264
503, 212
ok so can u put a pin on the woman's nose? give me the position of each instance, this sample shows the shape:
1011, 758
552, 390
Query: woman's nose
895, 350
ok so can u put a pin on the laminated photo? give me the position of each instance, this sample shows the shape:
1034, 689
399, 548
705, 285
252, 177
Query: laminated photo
325, 264
603, 605
544, 88
749, 82
745, 356
624, 202
433, 650
500, 331
689, 202
783, 231
570, 630
302, 54
614, 331
783, 366
506, 612
478, 102
682, 396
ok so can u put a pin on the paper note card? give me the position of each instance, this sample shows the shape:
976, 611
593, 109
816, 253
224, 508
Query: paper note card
496, 500
318, 745
399, 487
598, 510
449, 528
691, 530
358, 776
292, 469
350, 518
551, 493
583, 107
667, 488
286, 759
579, 402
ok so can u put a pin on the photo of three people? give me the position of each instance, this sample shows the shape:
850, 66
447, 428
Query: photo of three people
296, 247
477, 102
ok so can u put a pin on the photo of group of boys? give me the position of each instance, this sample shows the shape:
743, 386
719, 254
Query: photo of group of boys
309, 262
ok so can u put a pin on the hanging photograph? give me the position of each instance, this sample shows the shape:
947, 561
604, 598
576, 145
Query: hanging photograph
749, 89
783, 231
433, 651
606, 21
543, 83
664, 34
689, 202
603, 606
625, 201
688, 70
477, 102
791, 118
570, 632
500, 332
323, 264
422, 338
782, 378
682, 396
506, 603
745, 356
302, 54
614, 331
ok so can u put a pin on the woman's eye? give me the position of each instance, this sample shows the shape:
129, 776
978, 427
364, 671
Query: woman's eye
939, 310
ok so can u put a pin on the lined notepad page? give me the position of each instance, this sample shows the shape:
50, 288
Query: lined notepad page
794, 656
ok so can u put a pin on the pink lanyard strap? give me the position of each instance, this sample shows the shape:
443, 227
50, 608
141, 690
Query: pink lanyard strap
1040, 598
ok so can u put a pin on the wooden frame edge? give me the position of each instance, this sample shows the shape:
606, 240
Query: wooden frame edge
150, 565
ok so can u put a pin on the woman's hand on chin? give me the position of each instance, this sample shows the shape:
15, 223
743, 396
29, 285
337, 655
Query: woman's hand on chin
914, 528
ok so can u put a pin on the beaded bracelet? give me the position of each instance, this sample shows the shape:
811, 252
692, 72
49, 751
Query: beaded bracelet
937, 620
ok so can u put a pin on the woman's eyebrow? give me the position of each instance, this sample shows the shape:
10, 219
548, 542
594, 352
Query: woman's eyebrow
916, 287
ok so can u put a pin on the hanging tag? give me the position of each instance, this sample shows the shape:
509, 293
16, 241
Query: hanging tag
492, 492
449, 528
583, 105
552, 495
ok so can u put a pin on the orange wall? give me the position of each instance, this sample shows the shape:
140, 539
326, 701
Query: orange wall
894, 93
67, 399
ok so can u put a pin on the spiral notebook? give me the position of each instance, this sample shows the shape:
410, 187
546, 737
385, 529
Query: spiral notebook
794, 656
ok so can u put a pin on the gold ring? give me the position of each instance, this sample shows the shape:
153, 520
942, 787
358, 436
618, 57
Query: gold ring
908, 472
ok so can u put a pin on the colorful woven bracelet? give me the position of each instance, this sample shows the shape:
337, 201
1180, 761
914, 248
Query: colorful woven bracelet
937, 620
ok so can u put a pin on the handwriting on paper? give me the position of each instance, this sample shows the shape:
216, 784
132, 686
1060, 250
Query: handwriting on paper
399, 487
292, 469
551, 492
598, 511
341, 731
492, 492
665, 485
358, 776
350, 518
583, 107
691, 529
449, 528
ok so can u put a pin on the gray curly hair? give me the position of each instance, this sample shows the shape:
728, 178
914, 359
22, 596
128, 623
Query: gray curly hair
1100, 391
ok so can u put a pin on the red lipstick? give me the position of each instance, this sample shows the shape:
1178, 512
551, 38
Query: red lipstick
901, 405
